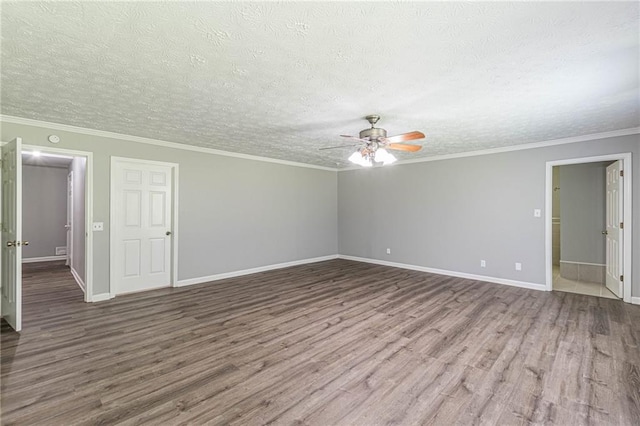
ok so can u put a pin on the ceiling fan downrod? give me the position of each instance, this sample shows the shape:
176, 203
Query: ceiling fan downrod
374, 133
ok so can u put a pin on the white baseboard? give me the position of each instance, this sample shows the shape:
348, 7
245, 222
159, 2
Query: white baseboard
43, 259
200, 280
635, 300
76, 276
504, 281
101, 297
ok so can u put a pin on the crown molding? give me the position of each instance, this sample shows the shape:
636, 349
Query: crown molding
520, 147
185, 147
156, 142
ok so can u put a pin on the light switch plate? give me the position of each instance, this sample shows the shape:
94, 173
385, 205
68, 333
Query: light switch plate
537, 213
98, 226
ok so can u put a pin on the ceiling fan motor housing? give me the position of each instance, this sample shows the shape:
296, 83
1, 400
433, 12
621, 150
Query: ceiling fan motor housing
373, 134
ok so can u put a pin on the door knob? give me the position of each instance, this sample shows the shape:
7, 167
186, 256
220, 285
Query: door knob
11, 243
25, 243
168, 233
605, 233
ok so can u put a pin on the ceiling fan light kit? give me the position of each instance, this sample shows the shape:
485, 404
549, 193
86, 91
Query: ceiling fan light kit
374, 144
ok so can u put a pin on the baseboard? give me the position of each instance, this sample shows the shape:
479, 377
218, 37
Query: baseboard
200, 280
101, 297
635, 300
76, 276
504, 281
43, 259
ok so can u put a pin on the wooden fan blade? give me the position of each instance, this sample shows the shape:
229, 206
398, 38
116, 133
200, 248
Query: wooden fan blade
405, 137
404, 147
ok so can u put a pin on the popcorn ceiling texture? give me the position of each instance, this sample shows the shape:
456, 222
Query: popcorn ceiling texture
281, 80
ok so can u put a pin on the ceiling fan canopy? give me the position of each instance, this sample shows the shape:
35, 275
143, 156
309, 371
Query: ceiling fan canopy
373, 144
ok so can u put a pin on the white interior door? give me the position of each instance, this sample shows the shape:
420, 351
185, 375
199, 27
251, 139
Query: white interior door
142, 225
11, 244
614, 212
69, 225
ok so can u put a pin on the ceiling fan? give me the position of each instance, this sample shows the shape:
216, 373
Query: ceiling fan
373, 144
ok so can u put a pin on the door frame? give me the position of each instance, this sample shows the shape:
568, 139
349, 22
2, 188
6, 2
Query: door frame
112, 215
627, 182
88, 208
69, 224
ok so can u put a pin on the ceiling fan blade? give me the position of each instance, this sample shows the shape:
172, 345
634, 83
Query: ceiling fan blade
339, 146
405, 137
404, 147
355, 138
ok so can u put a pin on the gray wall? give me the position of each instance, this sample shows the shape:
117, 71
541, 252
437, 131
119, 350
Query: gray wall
234, 213
44, 210
450, 214
582, 215
78, 167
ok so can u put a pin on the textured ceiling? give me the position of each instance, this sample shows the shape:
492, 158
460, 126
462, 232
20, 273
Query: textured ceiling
281, 79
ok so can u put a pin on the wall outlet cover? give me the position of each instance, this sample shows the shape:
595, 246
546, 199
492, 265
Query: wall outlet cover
518, 266
61, 251
98, 226
483, 263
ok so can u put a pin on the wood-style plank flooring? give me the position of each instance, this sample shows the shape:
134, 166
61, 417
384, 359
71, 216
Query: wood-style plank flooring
336, 342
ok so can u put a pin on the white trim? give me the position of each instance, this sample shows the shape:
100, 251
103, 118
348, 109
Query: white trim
174, 145
76, 276
101, 297
627, 181
504, 281
175, 168
174, 230
88, 208
635, 300
42, 259
216, 277
156, 142
583, 263
510, 148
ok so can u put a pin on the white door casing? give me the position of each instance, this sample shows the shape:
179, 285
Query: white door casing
142, 225
69, 225
627, 253
11, 243
614, 236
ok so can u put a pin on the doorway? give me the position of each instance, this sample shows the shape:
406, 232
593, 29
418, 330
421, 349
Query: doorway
82, 239
11, 208
588, 226
53, 211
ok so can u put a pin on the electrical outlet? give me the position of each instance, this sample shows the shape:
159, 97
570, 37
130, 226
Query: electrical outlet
483, 263
537, 213
388, 251
518, 266
98, 226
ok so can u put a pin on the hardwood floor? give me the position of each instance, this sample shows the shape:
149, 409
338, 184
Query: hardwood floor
336, 342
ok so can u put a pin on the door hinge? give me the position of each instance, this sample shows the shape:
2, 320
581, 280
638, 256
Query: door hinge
621, 277
621, 173
621, 225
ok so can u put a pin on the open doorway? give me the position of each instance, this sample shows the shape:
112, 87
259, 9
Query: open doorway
588, 226
57, 211
53, 216
580, 229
